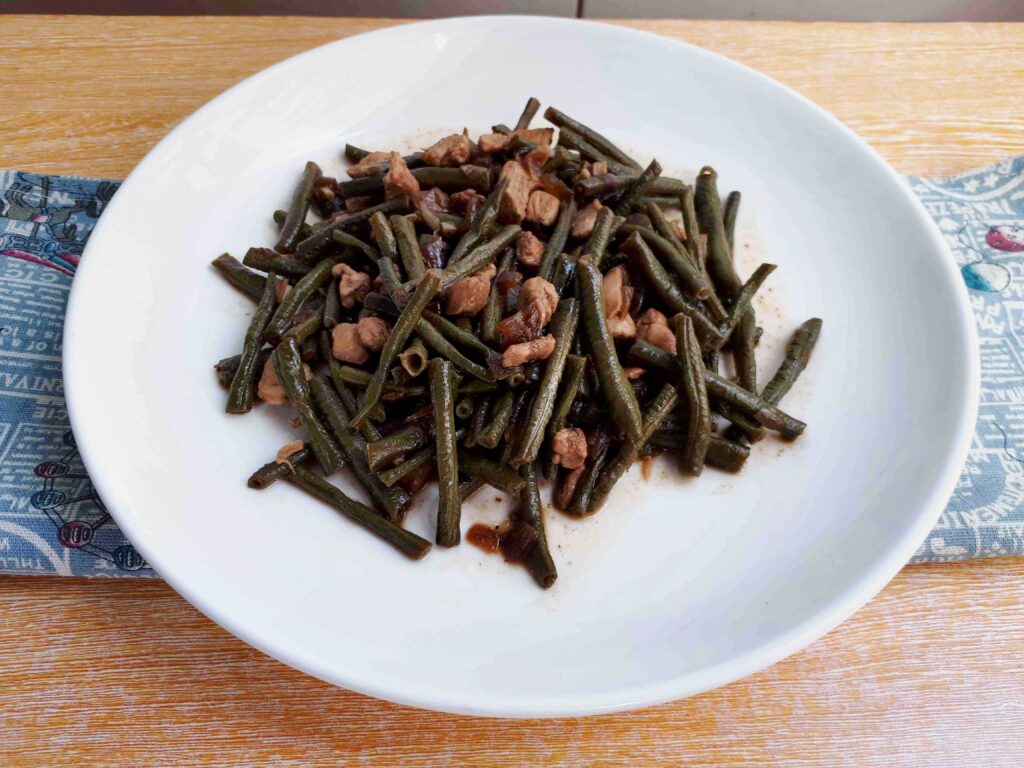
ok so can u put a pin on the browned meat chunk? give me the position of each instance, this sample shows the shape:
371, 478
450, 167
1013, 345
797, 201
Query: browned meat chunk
373, 164
399, 180
468, 296
652, 327
288, 450
540, 293
583, 224
542, 207
435, 200
451, 151
569, 447
353, 285
269, 388
372, 332
524, 352
512, 206
529, 249
617, 295
346, 346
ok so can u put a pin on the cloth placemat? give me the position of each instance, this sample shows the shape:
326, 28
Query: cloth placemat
53, 522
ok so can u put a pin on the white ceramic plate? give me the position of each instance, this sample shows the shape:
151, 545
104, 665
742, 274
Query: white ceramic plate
677, 586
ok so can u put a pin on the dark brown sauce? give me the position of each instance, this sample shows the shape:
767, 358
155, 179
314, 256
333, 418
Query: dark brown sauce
484, 536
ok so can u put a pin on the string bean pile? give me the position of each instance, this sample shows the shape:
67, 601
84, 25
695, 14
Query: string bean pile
499, 311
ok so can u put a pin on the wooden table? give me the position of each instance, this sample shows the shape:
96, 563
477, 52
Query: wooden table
124, 673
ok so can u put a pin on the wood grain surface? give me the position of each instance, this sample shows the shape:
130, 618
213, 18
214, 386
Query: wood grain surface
103, 673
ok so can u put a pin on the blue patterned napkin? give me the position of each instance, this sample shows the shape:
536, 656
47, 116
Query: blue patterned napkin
52, 521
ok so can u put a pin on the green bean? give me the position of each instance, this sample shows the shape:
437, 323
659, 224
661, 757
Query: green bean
691, 227
563, 328
667, 232
606, 184
332, 305
272, 471
479, 421
721, 389
729, 213
696, 394
245, 280
661, 281
464, 338
565, 271
406, 542
408, 247
464, 407
690, 277
437, 342
392, 475
538, 560
709, 217
322, 236
360, 378
240, 393
379, 303
333, 366
637, 189
296, 297
391, 281
298, 209
604, 145
494, 474
743, 345
741, 302
341, 237
480, 225
572, 140
384, 236
501, 128
288, 365
394, 501
303, 330
722, 453
490, 435
662, 201
625, 411
442, 396
798, 353
601, 235
382, 453
532, 105
582, 494
425, 292
558, 239
480, 256
569, 387
266, 260
281, 216
492, 313
628, 451
414, 359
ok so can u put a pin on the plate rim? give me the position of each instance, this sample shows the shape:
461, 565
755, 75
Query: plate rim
847, 601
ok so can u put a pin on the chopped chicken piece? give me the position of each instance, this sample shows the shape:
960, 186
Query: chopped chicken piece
539, 292
617, 295
288, 450
451, 151
600, 168
512, 206
529, 249
652, 327
524, 352
373, 332
466, 202
281, 288
542, 207
493, 142
468, 296
353, 285
269, 389
435, 200
583, 224
633, 373
346, 346
399, 180
566, 488
569, 447
539, 136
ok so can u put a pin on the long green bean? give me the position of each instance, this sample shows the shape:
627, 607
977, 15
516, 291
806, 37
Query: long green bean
741, 302
425, 292
480, 224
492, 312
382, 453
689, 275
494, 474
266, 260
722, 453
322, 236
729, 214
408, 247
244, 279
559, 236
240, 394
661, 406
414, 359
288, 365
463, 338
625, 411
638, 188
289, 236
696, 394
529, 111
406, 542
798, 353
538, 562
275, 470
437, 342
603, 144
296, 297
281, 216
491, 433
609, 184
394, 501
563, 328
449, 506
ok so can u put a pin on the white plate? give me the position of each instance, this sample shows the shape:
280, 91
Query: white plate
677, 586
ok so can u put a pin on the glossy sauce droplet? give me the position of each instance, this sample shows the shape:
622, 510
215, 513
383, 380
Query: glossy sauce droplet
484, 536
